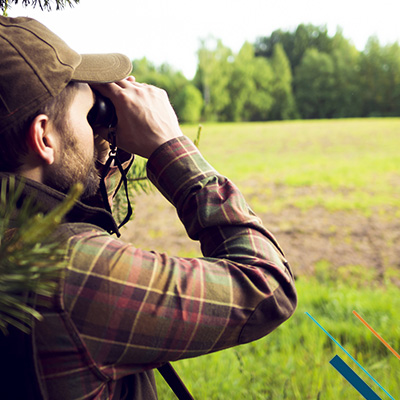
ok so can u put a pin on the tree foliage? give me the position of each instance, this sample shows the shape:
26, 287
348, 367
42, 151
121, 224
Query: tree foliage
315, 85
43, 4
347, 91
284, 106
189, 104
301, 74
248, 86
212, 77
380, 79
295, 43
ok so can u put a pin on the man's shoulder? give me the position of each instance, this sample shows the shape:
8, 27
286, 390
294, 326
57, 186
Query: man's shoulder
76, 228
86, 241
74, 231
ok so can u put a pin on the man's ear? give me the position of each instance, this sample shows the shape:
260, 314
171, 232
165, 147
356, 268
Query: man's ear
42, 139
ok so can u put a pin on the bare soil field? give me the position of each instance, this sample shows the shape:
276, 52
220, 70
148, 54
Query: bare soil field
338, 239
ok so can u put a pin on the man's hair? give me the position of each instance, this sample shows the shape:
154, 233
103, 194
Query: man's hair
14, 143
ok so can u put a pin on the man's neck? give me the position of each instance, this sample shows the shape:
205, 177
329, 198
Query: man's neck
33, 174
31, 169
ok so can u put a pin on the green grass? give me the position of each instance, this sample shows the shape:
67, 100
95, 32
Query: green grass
293, 361
346, 164
350, 165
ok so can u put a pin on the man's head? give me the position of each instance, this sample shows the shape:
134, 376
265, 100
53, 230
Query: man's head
69, 152
37, 71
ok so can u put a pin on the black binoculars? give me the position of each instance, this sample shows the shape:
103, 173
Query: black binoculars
102, 114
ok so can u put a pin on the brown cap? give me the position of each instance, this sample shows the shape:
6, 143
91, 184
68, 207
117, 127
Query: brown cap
36, 65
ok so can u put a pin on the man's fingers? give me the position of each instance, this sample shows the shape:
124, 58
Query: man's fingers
114, 88
125, 83
105, 89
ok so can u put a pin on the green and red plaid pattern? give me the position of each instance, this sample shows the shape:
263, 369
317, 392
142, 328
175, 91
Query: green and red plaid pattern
122, 310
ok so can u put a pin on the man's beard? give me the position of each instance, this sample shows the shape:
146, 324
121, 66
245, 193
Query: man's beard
72, 167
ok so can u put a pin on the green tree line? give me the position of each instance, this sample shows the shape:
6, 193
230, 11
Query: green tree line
300, 74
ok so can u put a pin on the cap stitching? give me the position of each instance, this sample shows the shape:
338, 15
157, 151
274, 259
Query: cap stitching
23, 54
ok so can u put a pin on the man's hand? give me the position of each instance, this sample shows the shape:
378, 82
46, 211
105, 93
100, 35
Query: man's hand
146, 119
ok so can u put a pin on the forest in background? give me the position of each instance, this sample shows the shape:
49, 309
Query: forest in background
300, 74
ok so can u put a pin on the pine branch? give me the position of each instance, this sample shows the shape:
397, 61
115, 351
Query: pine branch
43, 4
30, 264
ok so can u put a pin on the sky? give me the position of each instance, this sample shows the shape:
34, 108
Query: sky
170, 30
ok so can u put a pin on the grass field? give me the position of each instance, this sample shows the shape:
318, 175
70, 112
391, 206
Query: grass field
330, 192
344, 164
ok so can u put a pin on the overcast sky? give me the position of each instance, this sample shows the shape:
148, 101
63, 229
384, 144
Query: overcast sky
169, 30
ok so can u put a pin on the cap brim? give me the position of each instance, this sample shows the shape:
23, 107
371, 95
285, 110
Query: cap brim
102, 68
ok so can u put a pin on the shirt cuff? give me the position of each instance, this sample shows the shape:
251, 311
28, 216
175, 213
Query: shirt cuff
176, 166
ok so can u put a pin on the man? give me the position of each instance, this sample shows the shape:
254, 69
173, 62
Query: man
120, 311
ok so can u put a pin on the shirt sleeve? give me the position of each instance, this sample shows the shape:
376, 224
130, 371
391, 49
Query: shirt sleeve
136, 309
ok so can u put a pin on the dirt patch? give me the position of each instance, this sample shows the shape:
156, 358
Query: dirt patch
307, 237
156, 226
341, 238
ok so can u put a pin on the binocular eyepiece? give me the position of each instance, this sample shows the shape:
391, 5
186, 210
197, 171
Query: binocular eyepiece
102, 114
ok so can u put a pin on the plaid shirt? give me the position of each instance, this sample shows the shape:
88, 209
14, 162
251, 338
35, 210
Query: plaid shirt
121, 311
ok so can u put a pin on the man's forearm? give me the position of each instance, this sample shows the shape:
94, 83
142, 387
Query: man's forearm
214, 212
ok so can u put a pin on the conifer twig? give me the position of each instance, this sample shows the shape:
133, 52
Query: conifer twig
30, 263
